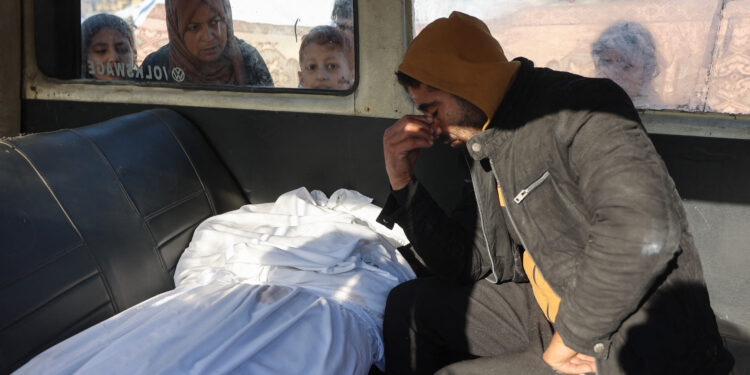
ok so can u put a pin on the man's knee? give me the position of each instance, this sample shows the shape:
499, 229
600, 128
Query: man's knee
400, 299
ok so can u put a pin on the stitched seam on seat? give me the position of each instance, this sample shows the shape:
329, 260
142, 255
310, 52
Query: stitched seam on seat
154, 248
45, 264
172, 205
49, 300
67, 216
190, 160
46, 185
167, 240
94, 310
57, 338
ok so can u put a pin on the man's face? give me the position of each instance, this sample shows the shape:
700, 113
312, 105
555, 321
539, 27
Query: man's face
454, 121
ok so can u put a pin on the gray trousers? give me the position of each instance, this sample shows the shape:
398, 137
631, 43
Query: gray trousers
484, 328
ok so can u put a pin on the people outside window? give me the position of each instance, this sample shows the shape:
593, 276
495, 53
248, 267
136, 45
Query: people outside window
343, 17
203, 49
326, 59
108, 47
570, 252
625, 53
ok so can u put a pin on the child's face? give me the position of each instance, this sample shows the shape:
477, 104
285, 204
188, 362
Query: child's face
626, 71
109, 46
325, 67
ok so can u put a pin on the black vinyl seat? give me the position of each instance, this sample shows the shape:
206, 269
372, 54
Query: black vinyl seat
93, 220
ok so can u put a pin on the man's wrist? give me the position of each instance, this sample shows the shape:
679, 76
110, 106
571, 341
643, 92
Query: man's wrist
395, 205
403, 196
399, 185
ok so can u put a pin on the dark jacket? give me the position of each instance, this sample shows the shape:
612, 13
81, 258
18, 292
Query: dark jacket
256, 70
585, 194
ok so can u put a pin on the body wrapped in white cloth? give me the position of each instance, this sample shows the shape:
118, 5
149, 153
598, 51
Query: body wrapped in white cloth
292, 287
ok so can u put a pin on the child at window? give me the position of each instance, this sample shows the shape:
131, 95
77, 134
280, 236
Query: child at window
108, 47
326, 60
625, 53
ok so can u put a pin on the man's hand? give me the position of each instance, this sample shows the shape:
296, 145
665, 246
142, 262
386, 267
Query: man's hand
401, 145
567, 360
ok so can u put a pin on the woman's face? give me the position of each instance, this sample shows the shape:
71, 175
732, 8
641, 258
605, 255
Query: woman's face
206, 35
109, 46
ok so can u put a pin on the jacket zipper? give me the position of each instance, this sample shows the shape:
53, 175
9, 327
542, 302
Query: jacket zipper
507, 211
510, 217
522, 195
481, 219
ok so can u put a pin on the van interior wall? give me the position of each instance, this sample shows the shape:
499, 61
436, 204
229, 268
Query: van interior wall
271, 153
10, 71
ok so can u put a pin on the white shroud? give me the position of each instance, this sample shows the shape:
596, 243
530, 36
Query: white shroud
294, 287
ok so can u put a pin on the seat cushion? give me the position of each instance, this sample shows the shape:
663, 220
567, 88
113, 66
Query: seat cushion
94, 220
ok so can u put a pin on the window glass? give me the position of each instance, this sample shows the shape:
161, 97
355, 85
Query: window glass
689, 55
220, 42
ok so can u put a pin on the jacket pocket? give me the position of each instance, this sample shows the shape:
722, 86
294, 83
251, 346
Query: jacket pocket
553, 225
525, 192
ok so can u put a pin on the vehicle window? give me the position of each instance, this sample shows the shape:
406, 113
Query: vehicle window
298, 44
688, 55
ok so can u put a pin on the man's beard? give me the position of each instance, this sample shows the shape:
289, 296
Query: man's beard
471, 115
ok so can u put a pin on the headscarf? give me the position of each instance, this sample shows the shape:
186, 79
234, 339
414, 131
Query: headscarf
228, 69
92, 25
458, 55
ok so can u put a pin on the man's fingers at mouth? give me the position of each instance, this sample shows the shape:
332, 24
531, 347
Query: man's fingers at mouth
412, 143
414, 129
424, 119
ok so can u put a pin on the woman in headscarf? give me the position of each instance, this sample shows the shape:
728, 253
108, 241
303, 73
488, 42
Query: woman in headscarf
108, 47
203, 45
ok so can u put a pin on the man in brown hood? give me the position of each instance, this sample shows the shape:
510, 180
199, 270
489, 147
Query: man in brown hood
571, 252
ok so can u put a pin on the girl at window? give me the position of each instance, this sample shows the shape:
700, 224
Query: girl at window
108, 47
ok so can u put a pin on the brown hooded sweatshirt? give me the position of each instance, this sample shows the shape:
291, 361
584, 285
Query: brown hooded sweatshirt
460, 56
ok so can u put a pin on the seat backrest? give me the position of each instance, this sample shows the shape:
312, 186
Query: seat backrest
93, 221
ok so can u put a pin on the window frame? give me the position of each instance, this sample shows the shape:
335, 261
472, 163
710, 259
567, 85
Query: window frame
57, 62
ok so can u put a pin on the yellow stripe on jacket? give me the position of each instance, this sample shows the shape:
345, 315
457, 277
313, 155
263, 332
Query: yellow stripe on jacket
544, 295
547, 299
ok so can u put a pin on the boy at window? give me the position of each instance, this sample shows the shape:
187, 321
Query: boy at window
326, 60
626, 54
